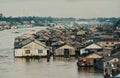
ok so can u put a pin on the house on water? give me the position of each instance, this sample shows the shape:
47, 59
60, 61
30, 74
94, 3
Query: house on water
88, 59
65, 51
90, 56
91, 48
30, 48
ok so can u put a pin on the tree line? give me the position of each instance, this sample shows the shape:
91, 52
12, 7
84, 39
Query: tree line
49, 19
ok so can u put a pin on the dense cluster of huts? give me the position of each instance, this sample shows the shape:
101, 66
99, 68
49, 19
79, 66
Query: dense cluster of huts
92, 48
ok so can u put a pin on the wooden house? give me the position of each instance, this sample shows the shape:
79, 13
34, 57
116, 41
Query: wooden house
30, 48
64, 50
109, 40
81, 32
88, 59
91, 48
94, 48
110, 60
111, 66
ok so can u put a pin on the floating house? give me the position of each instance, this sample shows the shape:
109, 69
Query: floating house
94, 48
64, 50
88, 59
110, 60
30, 48
111, 65
91, 48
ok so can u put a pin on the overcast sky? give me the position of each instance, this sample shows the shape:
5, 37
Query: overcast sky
61, 8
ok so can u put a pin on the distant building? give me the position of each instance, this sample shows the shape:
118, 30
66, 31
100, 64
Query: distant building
20, 26
81, 32
14, 27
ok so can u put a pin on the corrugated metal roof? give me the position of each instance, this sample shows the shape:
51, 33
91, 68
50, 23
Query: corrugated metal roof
93, 46
93, 56
27, 41
66, 27
21, 26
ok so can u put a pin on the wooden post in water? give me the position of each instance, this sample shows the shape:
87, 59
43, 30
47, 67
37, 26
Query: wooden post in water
48, 55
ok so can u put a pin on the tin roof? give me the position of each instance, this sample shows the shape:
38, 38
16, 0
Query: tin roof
93, 46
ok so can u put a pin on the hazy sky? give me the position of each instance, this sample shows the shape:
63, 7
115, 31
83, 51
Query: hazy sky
61, 8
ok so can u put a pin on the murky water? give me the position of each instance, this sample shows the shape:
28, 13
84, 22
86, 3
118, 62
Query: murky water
11, 67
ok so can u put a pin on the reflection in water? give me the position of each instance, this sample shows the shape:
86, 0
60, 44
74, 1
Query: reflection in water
43, 60
89, 70
29, 60
71, 59
57, 67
